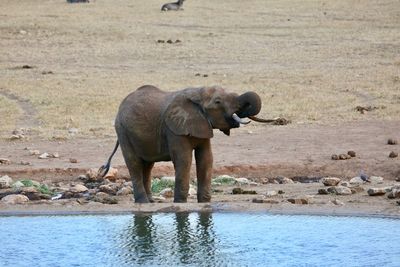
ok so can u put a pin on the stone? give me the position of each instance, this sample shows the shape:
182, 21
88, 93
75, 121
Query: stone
242, 181
323, 191
344, 156
5, 181
73, 160
5, 161
356, 189
105, 198
167, 193
168, 178
15, 199
395, 193
44, 156
376, 191
330, 181
375, 179
92, 175
18, 184
356, 180
34, 152
302, 201
271, 193
25, 163
78, 188
392, 141
337, 202
334, 157
339, 190
112, 174
110, 189
393, 154
351, 153
238, 190
73, 131
125, 191
284, 180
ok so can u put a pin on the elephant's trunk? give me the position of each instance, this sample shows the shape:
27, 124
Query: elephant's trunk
250, 104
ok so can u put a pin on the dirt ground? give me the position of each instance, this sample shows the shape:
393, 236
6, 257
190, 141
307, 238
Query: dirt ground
66, 67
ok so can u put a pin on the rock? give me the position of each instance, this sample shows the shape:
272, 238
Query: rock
34, 152
33, 194
73, 160
395, 193
284, 180
25, 163
323, 191
335, 157
112, 174
110, 189
17, 137
298, 201
356, 189
392, 141
347, 184
18, 184
356, 180
167, 193
5, 182
125, 191
168, 178
376, 191
393, 154
44, 156
238, 190
15, 199
92, 175
375, 179
78, 188
337, 202
192, 191
344, 156
257, 200
351, 153
271, 193
105, 198
242, 181
339, 190
5, 161
330, 181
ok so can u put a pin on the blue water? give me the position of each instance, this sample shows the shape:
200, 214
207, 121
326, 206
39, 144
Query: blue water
199, 239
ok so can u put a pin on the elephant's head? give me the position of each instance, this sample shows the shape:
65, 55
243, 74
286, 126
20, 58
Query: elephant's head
196, 111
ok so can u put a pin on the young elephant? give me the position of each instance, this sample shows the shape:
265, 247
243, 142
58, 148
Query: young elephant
172, 6
153, 125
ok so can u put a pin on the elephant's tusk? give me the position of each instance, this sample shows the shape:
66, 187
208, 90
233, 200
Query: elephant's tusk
239, 120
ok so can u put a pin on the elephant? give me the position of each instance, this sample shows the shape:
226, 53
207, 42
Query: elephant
153, 125
172, 6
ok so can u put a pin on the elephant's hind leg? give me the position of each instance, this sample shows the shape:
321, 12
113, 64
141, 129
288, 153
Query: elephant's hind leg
136, 170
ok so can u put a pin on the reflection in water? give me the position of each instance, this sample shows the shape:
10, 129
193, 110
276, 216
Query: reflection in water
150, 239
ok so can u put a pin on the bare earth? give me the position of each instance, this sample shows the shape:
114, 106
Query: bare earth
68, 66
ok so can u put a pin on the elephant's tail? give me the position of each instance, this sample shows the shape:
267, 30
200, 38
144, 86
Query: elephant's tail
103, 170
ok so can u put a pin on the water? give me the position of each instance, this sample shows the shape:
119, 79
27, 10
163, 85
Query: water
199, 239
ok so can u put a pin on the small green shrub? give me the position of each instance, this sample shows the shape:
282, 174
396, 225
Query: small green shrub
223, 180
158, 185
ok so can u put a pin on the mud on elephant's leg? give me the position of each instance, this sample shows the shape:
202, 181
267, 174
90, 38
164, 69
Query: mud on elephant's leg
147, 166
204, 160
182, 158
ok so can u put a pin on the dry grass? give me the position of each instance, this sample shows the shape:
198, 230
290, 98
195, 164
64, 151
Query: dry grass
312, 61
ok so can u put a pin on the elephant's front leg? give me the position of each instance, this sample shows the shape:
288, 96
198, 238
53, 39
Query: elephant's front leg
181, 155
204, 161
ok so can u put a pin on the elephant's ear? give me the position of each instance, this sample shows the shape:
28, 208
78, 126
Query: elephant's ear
185, 117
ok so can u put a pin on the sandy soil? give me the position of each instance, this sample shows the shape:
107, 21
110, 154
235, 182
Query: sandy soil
311, 61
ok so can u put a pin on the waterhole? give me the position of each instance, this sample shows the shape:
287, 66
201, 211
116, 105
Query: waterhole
199, 239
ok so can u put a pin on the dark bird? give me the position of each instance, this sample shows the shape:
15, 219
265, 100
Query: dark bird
364, 177
172, 6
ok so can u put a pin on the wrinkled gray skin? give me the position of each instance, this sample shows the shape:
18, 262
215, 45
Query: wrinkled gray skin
172, 6
153, 125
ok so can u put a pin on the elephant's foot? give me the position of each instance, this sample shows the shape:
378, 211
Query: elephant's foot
142, 199
180, 200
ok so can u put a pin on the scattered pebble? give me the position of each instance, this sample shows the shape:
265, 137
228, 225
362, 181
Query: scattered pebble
302, 201
73, 160
392, 141
330, 181
5, 181
376, 191
238, 190
351, 153
337, 202
25, 163
393, 154
15, 199
5, 161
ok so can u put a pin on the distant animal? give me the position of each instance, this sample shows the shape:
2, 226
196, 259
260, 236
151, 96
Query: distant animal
153, 125
172, 6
